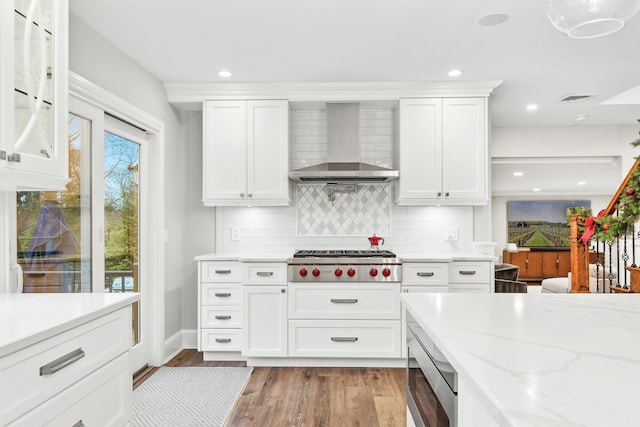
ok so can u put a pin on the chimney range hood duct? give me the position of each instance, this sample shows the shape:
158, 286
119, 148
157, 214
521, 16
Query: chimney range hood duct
343, 151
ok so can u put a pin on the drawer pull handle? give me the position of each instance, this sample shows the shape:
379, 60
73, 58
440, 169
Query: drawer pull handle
227, 317
344, 339
467, 272
62, 362
425, 274
79, 424
223, 271
223, 294
344, 300
223, 340
264, 273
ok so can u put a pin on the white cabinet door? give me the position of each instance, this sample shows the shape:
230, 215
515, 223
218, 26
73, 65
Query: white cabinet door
34, 94
464, 149
443, 152
420, 149
268, 150
264, 321
225, 150
246, 153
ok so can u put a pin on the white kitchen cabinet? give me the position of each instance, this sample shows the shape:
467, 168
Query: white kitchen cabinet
265, 321
443, 151
219, 309
471, 276
246, 153
33, 94
79, 374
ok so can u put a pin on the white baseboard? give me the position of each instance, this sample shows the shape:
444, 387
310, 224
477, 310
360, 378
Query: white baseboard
183, 339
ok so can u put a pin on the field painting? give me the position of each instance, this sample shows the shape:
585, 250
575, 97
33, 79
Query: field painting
540, 223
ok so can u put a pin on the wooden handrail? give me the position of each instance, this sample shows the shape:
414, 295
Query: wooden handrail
611, 207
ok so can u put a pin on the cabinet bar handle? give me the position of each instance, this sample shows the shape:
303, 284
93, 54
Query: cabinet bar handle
264, 273
79, 424
223, 340
468, 272
344, 339
222, 295
227, 317
62, 362
344, 300
223, 271
425, 274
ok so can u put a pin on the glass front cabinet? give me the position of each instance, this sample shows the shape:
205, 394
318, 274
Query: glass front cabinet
33, 94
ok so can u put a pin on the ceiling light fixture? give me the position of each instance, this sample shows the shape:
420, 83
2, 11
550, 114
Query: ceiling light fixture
582, 183
536, 189
584, 19
493, 19
532, 107
224, 73
454, 73
581, 118
518, 174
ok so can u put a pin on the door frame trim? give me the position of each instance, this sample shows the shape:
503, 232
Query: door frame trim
93, 94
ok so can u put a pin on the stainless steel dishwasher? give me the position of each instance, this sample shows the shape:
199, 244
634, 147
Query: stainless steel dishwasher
432, 383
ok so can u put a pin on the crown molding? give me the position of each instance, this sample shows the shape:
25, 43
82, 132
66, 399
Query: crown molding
191, 95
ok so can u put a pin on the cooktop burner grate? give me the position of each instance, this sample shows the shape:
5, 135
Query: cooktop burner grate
340, 253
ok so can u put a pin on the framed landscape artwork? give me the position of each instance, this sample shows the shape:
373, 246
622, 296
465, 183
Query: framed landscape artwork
540, 223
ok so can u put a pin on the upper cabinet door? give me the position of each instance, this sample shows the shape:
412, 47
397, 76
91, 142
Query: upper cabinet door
33, 94
268, 150
443, 151
420, 149
464, 149
246, 153
225, 150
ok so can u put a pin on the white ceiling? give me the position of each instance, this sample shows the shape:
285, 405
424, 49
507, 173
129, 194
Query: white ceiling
384, 41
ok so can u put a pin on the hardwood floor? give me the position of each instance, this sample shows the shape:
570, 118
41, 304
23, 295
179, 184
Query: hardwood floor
314, 397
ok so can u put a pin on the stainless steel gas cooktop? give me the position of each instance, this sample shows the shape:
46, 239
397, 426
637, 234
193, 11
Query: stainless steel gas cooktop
344, 266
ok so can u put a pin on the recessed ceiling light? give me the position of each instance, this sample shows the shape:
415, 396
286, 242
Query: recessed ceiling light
454, 73
582, 183
536, 189
518, 173
581, 118
532, 107
224, 73
493, 19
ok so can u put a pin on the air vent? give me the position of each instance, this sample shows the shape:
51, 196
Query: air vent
575, 97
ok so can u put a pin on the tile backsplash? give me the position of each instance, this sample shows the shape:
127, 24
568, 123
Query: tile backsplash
360, 213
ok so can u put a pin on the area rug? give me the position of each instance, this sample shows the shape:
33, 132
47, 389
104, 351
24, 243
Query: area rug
188, 396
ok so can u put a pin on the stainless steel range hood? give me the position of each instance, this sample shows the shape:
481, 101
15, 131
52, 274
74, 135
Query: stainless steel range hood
343, 151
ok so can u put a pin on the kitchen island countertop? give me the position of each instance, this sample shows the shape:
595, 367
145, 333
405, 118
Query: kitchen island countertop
541, 359
26, 319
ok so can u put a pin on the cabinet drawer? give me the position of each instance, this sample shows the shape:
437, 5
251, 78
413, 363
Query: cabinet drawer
425, 274
469, 272
217, 272
221, 340
344, 301
221, 294
68, 357
469, 287
264, 273
344, 338
430, 288
103, 398
221, 317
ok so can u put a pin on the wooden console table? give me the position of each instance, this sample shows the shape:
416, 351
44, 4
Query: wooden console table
535, 266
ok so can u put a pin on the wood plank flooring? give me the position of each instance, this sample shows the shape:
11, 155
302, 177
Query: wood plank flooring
314, 397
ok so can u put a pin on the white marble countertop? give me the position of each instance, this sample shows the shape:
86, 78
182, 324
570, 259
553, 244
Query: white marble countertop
541, 359
421, 257
244, 257
26, 319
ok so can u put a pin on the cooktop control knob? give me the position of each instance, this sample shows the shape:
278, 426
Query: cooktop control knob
303, 272
373, 272
315, 272
386, 272
351, 272
338, 272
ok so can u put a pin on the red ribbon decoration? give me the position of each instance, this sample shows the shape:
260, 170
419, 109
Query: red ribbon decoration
590, 227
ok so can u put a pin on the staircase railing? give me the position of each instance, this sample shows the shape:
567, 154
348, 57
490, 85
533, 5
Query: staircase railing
615, 262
